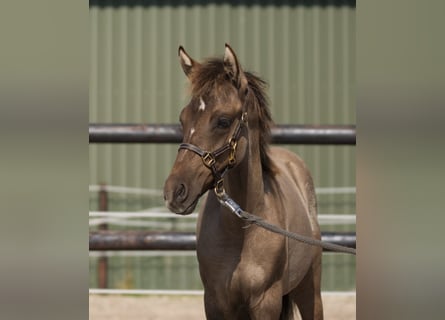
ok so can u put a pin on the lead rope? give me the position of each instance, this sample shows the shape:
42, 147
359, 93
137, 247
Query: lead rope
229, 203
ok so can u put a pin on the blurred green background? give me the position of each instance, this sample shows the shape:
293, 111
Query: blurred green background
44, 85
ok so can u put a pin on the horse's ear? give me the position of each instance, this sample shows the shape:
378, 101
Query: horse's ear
234, 69
187, 63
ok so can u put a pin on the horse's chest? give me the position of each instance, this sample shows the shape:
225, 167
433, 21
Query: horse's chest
239, 272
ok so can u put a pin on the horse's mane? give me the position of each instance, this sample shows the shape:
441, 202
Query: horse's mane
211, 76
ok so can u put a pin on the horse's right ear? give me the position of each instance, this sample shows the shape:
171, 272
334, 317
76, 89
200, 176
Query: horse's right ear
187, 63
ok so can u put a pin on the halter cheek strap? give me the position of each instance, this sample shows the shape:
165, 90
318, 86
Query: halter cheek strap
209, 158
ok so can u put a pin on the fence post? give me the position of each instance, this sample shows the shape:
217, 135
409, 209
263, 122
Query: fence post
103, 261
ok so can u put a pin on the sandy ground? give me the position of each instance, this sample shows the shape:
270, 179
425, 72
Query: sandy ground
188, 307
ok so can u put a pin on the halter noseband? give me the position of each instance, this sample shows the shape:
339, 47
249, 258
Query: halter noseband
209, 158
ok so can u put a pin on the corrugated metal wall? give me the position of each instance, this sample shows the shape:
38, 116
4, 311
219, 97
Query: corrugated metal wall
304, 50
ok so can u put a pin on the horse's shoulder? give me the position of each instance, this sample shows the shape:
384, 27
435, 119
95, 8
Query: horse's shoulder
285, 159
292, 171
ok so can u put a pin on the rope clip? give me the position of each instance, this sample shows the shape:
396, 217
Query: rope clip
227, 202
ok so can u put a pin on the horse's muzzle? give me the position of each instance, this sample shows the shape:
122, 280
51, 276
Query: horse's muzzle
176, 197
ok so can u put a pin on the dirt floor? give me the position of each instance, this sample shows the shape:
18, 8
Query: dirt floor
188, 307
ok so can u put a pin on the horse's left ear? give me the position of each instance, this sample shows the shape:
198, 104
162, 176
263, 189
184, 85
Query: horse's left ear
234, 69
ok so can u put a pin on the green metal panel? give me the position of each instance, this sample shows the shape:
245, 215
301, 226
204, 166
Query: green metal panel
304, 50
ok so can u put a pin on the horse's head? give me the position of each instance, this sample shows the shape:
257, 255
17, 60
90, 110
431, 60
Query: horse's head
213, 127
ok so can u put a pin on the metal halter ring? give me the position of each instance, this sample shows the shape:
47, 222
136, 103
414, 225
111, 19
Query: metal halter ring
219, 187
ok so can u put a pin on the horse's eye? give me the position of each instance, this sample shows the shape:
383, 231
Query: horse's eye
224, 123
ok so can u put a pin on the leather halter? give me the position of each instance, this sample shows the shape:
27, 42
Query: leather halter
209, 158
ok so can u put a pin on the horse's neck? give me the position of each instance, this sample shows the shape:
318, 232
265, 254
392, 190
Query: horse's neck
245, 182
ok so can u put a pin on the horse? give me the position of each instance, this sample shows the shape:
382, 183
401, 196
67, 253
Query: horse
247, 272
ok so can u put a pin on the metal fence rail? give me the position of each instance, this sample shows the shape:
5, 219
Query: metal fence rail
171, 133
148, 240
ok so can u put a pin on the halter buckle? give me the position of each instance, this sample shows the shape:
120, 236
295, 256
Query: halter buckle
208, 159
232, 155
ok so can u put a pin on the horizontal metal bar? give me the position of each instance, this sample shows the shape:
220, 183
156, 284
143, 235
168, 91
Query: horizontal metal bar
171, 133
148, 240
312, 134
142, 240
159, 192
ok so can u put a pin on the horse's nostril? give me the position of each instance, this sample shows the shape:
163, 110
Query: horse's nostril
181, 192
